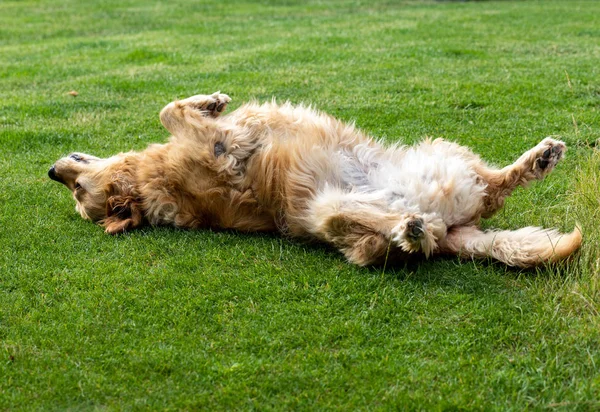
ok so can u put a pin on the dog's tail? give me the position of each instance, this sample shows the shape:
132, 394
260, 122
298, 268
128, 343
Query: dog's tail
525, 247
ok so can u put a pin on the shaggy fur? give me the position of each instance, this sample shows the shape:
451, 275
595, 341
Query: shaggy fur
290, 168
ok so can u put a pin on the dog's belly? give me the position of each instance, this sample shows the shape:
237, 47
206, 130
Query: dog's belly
433, 183
417, 181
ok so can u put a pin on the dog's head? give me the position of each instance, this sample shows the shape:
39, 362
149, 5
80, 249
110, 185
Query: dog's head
103, 189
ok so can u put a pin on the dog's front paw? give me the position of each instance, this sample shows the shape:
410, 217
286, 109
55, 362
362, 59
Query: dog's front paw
548, 153
210, 105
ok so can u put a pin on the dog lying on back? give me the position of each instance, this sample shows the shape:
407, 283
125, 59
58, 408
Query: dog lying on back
306, 174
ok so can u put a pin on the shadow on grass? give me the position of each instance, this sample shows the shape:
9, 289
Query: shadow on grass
443, 270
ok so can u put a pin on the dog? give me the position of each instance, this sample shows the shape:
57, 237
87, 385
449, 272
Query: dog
292, 169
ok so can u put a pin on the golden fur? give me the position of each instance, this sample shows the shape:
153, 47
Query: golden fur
289, 168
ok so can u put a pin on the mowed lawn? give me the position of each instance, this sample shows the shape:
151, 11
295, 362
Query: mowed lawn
171, 319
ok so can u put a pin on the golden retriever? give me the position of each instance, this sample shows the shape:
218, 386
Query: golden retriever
267, 167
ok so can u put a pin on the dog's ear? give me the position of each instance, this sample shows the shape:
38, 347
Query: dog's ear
122, 213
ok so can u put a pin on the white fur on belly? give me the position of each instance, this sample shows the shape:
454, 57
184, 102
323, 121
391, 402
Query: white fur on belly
422, 180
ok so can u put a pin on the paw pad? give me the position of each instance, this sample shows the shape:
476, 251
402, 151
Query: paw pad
550, 153
211, 105
414, 230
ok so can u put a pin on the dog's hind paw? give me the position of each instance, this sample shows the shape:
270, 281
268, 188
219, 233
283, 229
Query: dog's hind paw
419, 233
409, 233
210, 105
548, 153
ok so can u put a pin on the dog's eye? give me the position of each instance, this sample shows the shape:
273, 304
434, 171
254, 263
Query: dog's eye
77, 186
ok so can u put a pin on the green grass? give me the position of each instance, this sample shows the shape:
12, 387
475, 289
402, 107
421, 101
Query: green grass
170, 319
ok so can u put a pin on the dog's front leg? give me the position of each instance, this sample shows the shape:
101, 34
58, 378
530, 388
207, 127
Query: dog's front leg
223, 147
194, 115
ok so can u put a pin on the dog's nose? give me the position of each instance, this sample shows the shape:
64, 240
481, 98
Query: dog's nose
52, 174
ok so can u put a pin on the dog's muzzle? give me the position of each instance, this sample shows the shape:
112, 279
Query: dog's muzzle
52, 175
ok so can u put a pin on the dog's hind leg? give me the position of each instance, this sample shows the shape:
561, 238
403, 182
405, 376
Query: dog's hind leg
534, 164
526, 247
360, 227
